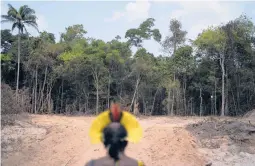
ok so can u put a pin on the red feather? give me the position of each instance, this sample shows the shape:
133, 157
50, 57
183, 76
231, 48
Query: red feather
115, 109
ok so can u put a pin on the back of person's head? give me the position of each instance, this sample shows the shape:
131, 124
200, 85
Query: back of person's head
116, 127
114, 139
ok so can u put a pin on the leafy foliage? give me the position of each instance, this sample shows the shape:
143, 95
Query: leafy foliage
143, 32
21, 18
83, 74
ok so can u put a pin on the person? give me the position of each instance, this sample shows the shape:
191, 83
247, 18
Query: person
115, 128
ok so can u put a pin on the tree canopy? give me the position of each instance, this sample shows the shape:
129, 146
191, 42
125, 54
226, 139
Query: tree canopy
212, 76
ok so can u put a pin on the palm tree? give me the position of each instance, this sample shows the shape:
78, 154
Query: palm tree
21, 18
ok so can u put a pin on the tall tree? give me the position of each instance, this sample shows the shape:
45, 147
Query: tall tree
184, 65
170, 45
173, 41
95, 56
73, 32
239, 33
21, 18
47, 37
214, 40
135, 38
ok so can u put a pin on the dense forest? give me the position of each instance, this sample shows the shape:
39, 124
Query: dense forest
211, 75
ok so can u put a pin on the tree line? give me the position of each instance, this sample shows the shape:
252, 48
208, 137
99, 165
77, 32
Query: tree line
213, 75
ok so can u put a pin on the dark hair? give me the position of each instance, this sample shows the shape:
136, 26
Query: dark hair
114, 135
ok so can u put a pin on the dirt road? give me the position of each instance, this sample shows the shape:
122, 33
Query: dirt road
63, 141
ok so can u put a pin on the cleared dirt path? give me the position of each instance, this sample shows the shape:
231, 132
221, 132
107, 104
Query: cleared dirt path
65, 142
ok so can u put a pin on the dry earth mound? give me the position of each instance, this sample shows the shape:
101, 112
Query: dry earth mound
250, 115
226, 142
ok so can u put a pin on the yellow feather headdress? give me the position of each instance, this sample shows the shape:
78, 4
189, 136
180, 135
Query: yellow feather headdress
128, 120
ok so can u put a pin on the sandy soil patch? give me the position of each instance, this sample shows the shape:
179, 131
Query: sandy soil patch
60, 140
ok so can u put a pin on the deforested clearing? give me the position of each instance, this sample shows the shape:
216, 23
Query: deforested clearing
63, 140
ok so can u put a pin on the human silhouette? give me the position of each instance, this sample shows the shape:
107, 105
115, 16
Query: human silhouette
115, 128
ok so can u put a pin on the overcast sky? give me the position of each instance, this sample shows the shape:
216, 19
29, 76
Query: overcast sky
107, 19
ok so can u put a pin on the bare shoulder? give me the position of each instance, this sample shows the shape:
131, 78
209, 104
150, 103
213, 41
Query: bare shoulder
132, 161
138, 162
98, 161
105, 161
91, 162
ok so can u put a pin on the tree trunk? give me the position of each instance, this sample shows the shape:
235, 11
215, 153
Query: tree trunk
201, 101
17, 83
97, 100
42, 91
226, 97
87, 103
212, 108
172, 109
223, 86
95, 73
184, 96
120, 90
144, 107
136, 109
169, 112
33, 92
62, 95
154, 99
234, 101
178, 101
108, 93
215, 97
192, 110
36, 73
175, 42
57, 101
226, 93
86, 99
238, 94
136, 87
49, 100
